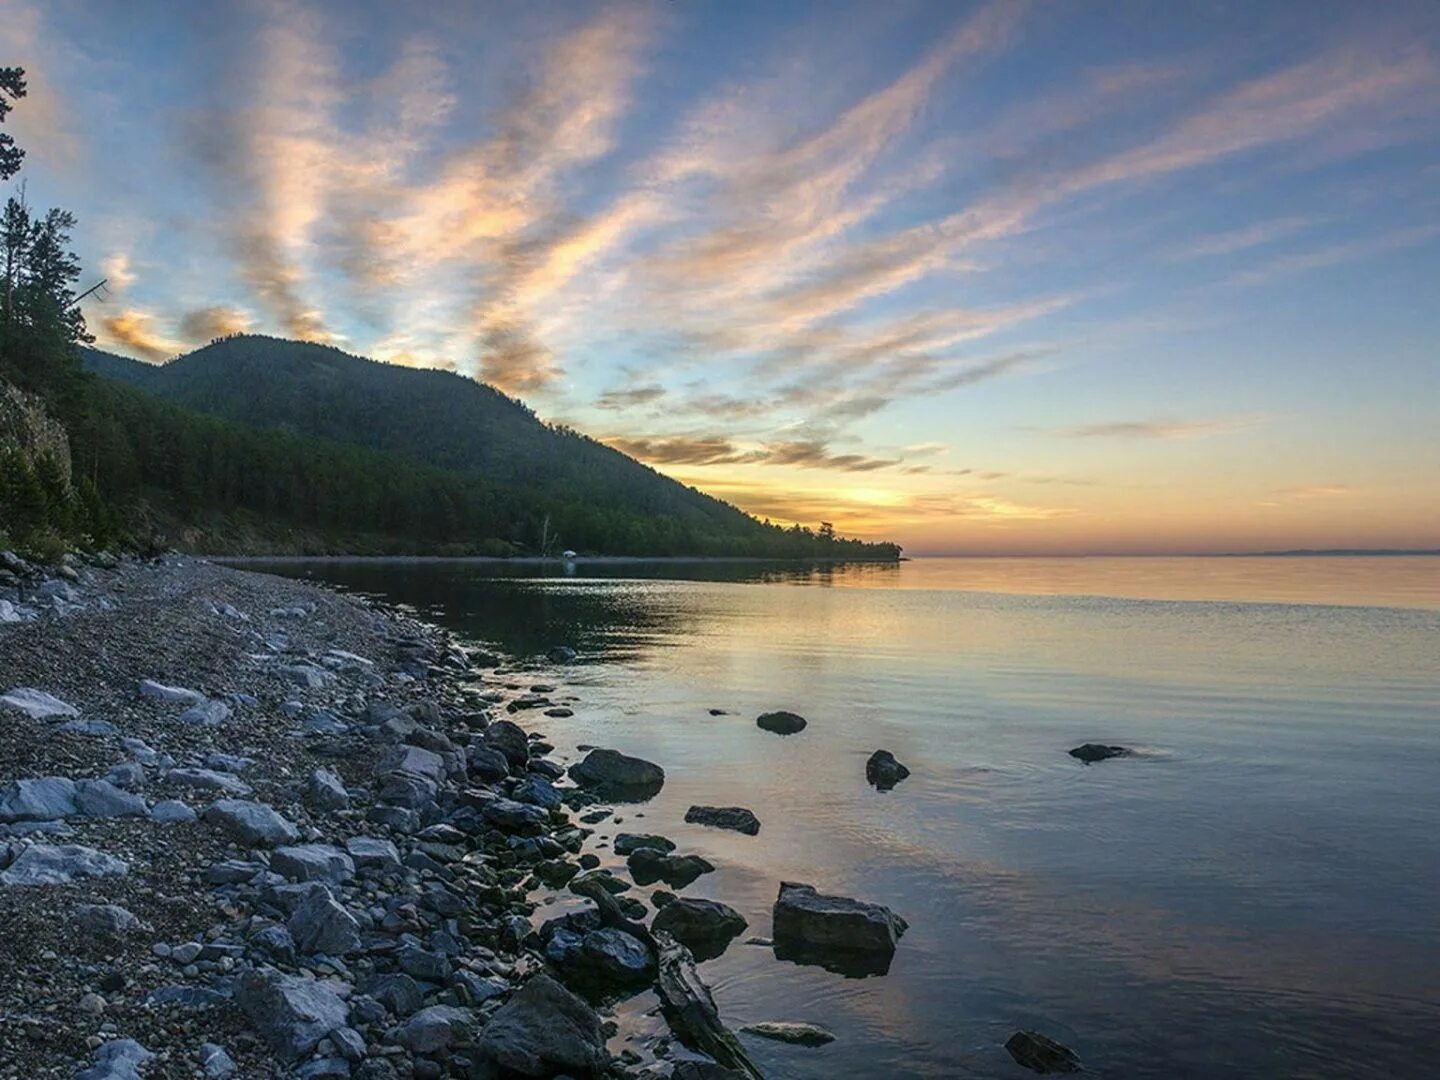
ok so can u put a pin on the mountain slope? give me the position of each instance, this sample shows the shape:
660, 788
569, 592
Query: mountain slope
549, 486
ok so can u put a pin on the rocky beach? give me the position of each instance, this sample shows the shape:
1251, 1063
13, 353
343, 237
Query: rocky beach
251, 827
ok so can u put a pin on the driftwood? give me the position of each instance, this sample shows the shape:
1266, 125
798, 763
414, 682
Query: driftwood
613, 917
691, 1012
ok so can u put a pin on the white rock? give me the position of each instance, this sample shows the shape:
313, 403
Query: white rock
36, 704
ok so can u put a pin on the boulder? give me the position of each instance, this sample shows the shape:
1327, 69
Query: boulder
313, 862
171, 811
119, 1059
616, 774
440, 1027
102, 799
648, 866
46, 864
251, 822
209, 713
486, 763
46, 798
883, 771
106, 920
705, 927
209, 780
514, 817
724, 817
561, 654
373, 852
412, 761
537, 791
291, 1014
509, 739
326, 791
834, 931
613, 956
781, 723
36, 704
794, 1033
129, 775
321, 924
1041, 1054
397, 991
169, 695
217, 1062
625, 843
1091, 752
544, 1029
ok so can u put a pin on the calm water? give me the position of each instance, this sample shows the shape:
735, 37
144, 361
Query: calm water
1256, 895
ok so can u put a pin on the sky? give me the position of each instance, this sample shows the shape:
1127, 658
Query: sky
1008, 277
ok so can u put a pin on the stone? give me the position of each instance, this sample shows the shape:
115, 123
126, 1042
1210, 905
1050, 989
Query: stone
781, 722
102, 799
813, 927
423, 964
625, 843
216, 1062
230, 763
736, 818
883, 771
106, 920
208, 780
117, 1060
44, 864
46, 798
510, 739
514, 817
1042, 1054
194, 998
36, 704
313, 862
291, 1014
648, 866
615, 956
544, 1029
251, 822
308, 676
172, 811
397, 992
93, 728
705, 927
795, 1033
275, 942
537, 791
561, 654
373, 852
486, 763
350, 1043
211, 713
129, 775
326, 791
614, 772
1091, 752
170, 695
321, 924
440, 1027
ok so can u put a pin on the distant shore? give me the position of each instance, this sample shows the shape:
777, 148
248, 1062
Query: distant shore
547, 560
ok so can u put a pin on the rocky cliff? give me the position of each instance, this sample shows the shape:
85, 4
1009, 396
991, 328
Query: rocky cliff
25, 423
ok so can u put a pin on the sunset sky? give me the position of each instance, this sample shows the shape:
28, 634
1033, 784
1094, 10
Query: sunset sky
1008, 277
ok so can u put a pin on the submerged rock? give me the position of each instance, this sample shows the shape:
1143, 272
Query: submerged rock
884, 771
781, 722
1042, 1054
648, 866
617, 774
736, 818
543, 1030
625, 843
705, 927
795, 1033
1092, 752
836, 932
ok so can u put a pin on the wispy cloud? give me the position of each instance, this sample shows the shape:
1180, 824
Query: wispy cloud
1242, 239
137, 331
1161, 429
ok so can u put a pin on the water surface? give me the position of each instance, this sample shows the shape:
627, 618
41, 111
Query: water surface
1253, 895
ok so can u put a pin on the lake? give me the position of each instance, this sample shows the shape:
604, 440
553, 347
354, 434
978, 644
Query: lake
1253, 894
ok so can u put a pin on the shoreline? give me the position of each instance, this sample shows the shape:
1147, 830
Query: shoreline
319, 807
546, 560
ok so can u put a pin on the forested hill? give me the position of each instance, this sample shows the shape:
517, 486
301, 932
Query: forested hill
374, 434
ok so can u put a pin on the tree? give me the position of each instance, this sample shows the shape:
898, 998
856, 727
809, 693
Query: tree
12, 88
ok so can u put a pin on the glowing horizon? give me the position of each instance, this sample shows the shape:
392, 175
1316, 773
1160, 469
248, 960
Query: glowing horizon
989, 278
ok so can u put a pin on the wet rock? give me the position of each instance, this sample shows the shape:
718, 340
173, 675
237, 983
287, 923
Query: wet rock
1091, 752
102, 799
561, 654
46, 798
795, 1033
514, 817
251, 822
321, 924
614, 956
1041, 1054
326, 791
486, 763
811, 927
648, 866
117, 1060
36, 704
537, 791
440, 1027
883, 771
625, 843
291, 1014
106, 920
706, 927
44, 864
169, 695
509, 739
617, 774
781, 722
313, 862
585, 884
724, 817
543, 1030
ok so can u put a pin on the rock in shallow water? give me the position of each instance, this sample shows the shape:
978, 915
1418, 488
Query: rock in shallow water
1042, 1054
736, 818
781, 722
648, 866
836, 932
1091, 752
625, 843
705, 927
795, 1033
612, 772
883, 771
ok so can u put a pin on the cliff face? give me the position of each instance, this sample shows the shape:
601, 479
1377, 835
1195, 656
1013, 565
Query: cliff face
25, 423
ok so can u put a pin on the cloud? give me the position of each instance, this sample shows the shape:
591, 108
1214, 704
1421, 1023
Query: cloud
118, 272
1242, 239
134, 330
515, 361
681, 450
208, 323
1316, 491
1160, 429
927, 449
1336, 254
630, 397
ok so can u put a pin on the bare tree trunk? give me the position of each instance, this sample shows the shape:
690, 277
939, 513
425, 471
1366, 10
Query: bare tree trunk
691, 1012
